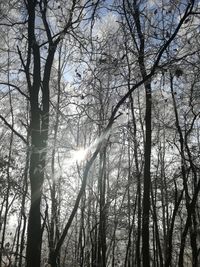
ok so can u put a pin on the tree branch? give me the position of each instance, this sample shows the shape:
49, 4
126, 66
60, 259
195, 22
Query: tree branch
13, 130
17, 88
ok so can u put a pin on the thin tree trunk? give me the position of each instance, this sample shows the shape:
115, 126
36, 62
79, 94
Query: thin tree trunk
7, 169
138, 174
54, 231
171, 229
147, 179
102, 208
157, 236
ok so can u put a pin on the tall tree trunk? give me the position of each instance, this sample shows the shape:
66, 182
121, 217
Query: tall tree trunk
148, 137
39, 126
147, 180
138, 174
5, 218
54, 231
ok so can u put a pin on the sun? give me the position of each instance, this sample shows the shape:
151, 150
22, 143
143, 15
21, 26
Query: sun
79, 155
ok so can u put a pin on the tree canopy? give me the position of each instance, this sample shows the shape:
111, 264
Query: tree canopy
100, 133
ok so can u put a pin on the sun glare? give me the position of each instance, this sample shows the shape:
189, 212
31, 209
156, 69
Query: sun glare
79, 155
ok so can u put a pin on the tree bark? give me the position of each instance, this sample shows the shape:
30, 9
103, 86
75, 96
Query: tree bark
39, 126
